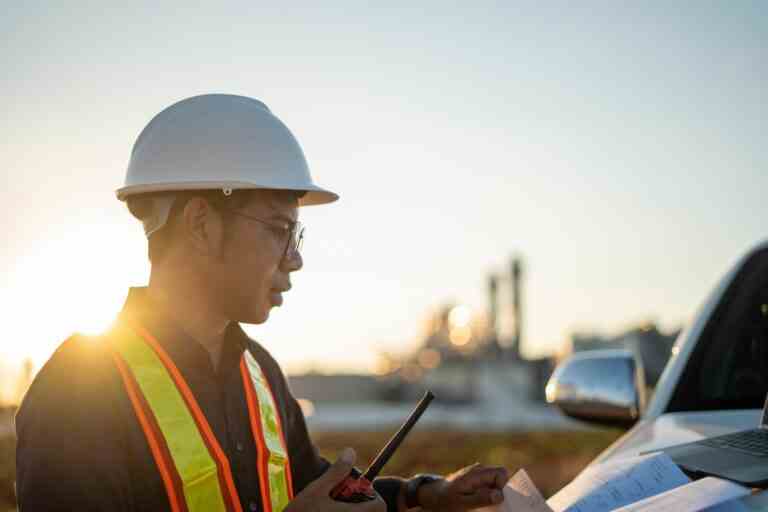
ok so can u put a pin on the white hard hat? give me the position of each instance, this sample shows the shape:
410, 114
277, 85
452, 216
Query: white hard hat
218, 141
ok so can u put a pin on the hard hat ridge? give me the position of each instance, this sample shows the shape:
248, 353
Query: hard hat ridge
177, 111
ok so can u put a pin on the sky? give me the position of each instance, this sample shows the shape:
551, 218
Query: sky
619, 149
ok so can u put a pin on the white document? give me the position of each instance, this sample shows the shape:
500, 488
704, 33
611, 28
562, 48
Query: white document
696, 496
638, 484
612, 485
520, 495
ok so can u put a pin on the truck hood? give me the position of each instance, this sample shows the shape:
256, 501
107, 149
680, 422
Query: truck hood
677, 428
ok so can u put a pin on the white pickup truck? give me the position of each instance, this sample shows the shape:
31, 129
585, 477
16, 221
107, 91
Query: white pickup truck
714, 383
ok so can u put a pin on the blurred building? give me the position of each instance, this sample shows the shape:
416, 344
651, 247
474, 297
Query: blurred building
464, 357
464, 361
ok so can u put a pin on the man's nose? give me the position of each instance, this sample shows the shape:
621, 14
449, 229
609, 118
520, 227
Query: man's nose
292, 262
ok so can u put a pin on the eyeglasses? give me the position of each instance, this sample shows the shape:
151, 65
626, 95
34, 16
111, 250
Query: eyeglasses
294, 230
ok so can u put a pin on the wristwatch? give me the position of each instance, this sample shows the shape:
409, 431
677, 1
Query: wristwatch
412, 488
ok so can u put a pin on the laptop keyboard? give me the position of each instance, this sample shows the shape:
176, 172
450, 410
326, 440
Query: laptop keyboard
754, 442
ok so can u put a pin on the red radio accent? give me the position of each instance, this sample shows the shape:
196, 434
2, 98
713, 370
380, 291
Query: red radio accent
354, 489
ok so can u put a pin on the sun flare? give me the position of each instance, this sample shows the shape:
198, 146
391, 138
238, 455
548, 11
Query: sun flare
76, 283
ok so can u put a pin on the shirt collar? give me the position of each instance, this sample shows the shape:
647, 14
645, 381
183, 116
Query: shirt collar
184, 350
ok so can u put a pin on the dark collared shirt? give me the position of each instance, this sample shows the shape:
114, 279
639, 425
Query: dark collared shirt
81, 447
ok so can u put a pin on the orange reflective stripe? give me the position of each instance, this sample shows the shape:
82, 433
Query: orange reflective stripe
156, 442
224, 472
261, 449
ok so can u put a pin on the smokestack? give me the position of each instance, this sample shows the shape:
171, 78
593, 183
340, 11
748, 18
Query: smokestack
493, 301
517, 307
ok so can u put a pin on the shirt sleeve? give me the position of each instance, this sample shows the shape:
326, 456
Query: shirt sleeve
69, 454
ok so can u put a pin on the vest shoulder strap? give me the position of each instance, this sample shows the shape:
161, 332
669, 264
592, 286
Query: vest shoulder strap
179, 436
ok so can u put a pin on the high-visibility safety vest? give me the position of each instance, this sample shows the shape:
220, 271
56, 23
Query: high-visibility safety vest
194, 469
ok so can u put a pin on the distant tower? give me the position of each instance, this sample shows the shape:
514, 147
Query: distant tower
517, 307
493, 313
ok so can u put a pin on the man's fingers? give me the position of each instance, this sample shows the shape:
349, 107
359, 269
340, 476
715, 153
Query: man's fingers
337, 472
376, 505
482, 497
483, 476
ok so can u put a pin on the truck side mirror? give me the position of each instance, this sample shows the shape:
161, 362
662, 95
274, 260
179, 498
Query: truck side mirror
599, 386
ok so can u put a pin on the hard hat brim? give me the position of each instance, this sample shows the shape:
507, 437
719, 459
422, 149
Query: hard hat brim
314, 195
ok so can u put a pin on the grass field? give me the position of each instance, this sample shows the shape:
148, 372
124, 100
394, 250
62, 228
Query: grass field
551, 458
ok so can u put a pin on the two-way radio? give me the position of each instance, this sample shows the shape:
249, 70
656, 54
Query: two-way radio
358, 487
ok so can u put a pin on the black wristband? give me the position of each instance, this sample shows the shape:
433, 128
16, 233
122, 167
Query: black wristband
412, 488
389, 489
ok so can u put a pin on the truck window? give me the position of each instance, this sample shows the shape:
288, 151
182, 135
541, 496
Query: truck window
728, 369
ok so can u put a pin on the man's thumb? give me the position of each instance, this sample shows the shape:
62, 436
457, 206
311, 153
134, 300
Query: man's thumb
339, 470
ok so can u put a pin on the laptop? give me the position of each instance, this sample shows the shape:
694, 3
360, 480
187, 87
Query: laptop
741, 457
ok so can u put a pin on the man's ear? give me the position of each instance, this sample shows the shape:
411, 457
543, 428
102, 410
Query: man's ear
201, 226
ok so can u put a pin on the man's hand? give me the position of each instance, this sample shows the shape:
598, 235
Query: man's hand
469, 488
316, 496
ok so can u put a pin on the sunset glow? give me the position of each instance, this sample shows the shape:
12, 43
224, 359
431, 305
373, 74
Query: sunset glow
592, 142
66, 285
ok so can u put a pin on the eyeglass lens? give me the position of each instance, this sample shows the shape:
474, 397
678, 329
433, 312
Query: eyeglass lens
296, 241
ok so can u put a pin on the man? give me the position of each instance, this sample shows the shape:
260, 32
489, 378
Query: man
175, 408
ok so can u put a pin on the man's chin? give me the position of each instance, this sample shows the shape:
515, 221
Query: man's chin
255, 318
